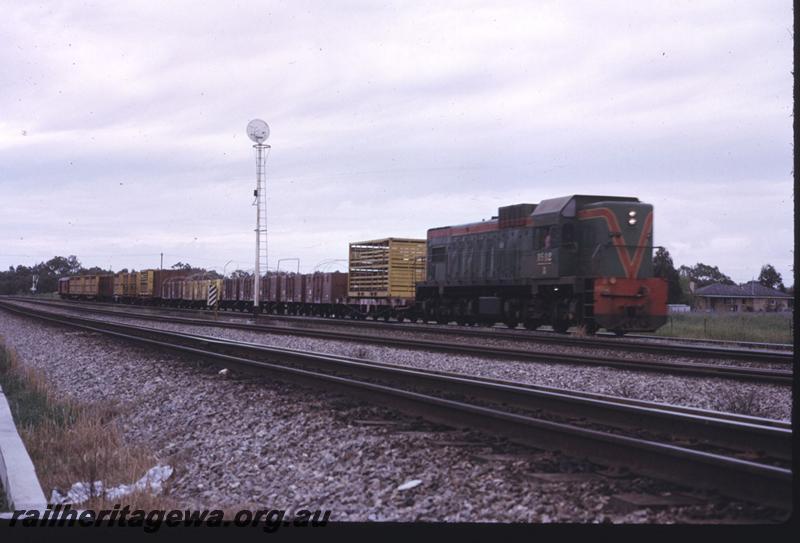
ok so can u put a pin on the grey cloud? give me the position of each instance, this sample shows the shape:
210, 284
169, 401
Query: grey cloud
387, 120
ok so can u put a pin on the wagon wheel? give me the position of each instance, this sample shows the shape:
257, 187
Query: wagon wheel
591, 327
532, 324
561, 327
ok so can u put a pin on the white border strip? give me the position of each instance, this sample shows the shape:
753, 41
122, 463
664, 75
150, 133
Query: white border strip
16, 469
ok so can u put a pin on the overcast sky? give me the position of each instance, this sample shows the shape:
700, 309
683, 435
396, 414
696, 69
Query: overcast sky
122, 124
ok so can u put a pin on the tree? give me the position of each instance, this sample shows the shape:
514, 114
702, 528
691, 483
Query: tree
704, 275
663, 267
769, 277
182, 266
61, 267
95, 270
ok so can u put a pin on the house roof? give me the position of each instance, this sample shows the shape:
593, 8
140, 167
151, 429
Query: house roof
751, 289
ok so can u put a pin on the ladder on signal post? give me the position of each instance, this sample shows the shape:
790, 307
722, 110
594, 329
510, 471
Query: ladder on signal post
260, 201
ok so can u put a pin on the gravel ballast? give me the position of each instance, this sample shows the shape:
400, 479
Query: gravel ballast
254, 443
719, 394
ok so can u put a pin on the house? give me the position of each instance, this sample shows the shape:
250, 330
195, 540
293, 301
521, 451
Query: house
751, 296
678, 308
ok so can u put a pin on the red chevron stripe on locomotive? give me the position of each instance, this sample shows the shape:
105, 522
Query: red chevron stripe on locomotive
631, 266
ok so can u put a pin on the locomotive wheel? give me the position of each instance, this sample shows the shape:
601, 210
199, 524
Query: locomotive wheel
619, 333
511, 324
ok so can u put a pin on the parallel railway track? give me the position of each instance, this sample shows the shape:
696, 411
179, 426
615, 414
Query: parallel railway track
739, 456
681, 368
778, 353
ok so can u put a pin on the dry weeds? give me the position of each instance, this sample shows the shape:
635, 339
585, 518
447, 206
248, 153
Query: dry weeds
71, 441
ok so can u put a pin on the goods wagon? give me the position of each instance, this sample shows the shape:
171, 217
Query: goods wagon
126, 286
237, 293
575, 260
63, 287
318, 293
91, 287
172, 291
382, 275
151, 283
195, 292
230, 293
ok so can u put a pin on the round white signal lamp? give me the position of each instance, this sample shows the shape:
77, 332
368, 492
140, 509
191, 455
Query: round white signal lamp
258, 130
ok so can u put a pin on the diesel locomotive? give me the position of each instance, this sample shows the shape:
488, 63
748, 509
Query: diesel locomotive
575, 260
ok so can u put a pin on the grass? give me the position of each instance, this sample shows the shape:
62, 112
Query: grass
761, 327
71, 441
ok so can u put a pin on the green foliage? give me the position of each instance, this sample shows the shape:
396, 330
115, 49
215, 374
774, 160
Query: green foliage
769, 277
703, 275
27, 397
18, 280
663, 267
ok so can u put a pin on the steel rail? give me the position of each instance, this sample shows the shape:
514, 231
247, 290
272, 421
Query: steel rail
681, 368
779, 356
728, 474
755, 355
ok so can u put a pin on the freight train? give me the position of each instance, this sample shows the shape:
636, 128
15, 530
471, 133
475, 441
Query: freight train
576, 260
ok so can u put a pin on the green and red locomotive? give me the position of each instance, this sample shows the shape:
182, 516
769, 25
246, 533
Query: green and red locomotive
575, 260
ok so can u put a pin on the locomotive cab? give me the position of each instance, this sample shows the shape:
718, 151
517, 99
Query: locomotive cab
554, 247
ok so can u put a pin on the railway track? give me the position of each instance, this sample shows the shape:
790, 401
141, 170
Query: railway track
739, 456
780, 354
680, 368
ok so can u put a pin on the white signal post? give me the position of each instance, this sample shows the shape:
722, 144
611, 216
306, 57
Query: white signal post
258, 131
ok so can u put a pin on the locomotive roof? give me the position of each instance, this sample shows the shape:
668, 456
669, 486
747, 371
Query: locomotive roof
547, 211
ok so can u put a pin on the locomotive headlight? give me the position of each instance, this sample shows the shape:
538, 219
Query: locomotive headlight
632, 221
631, 213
